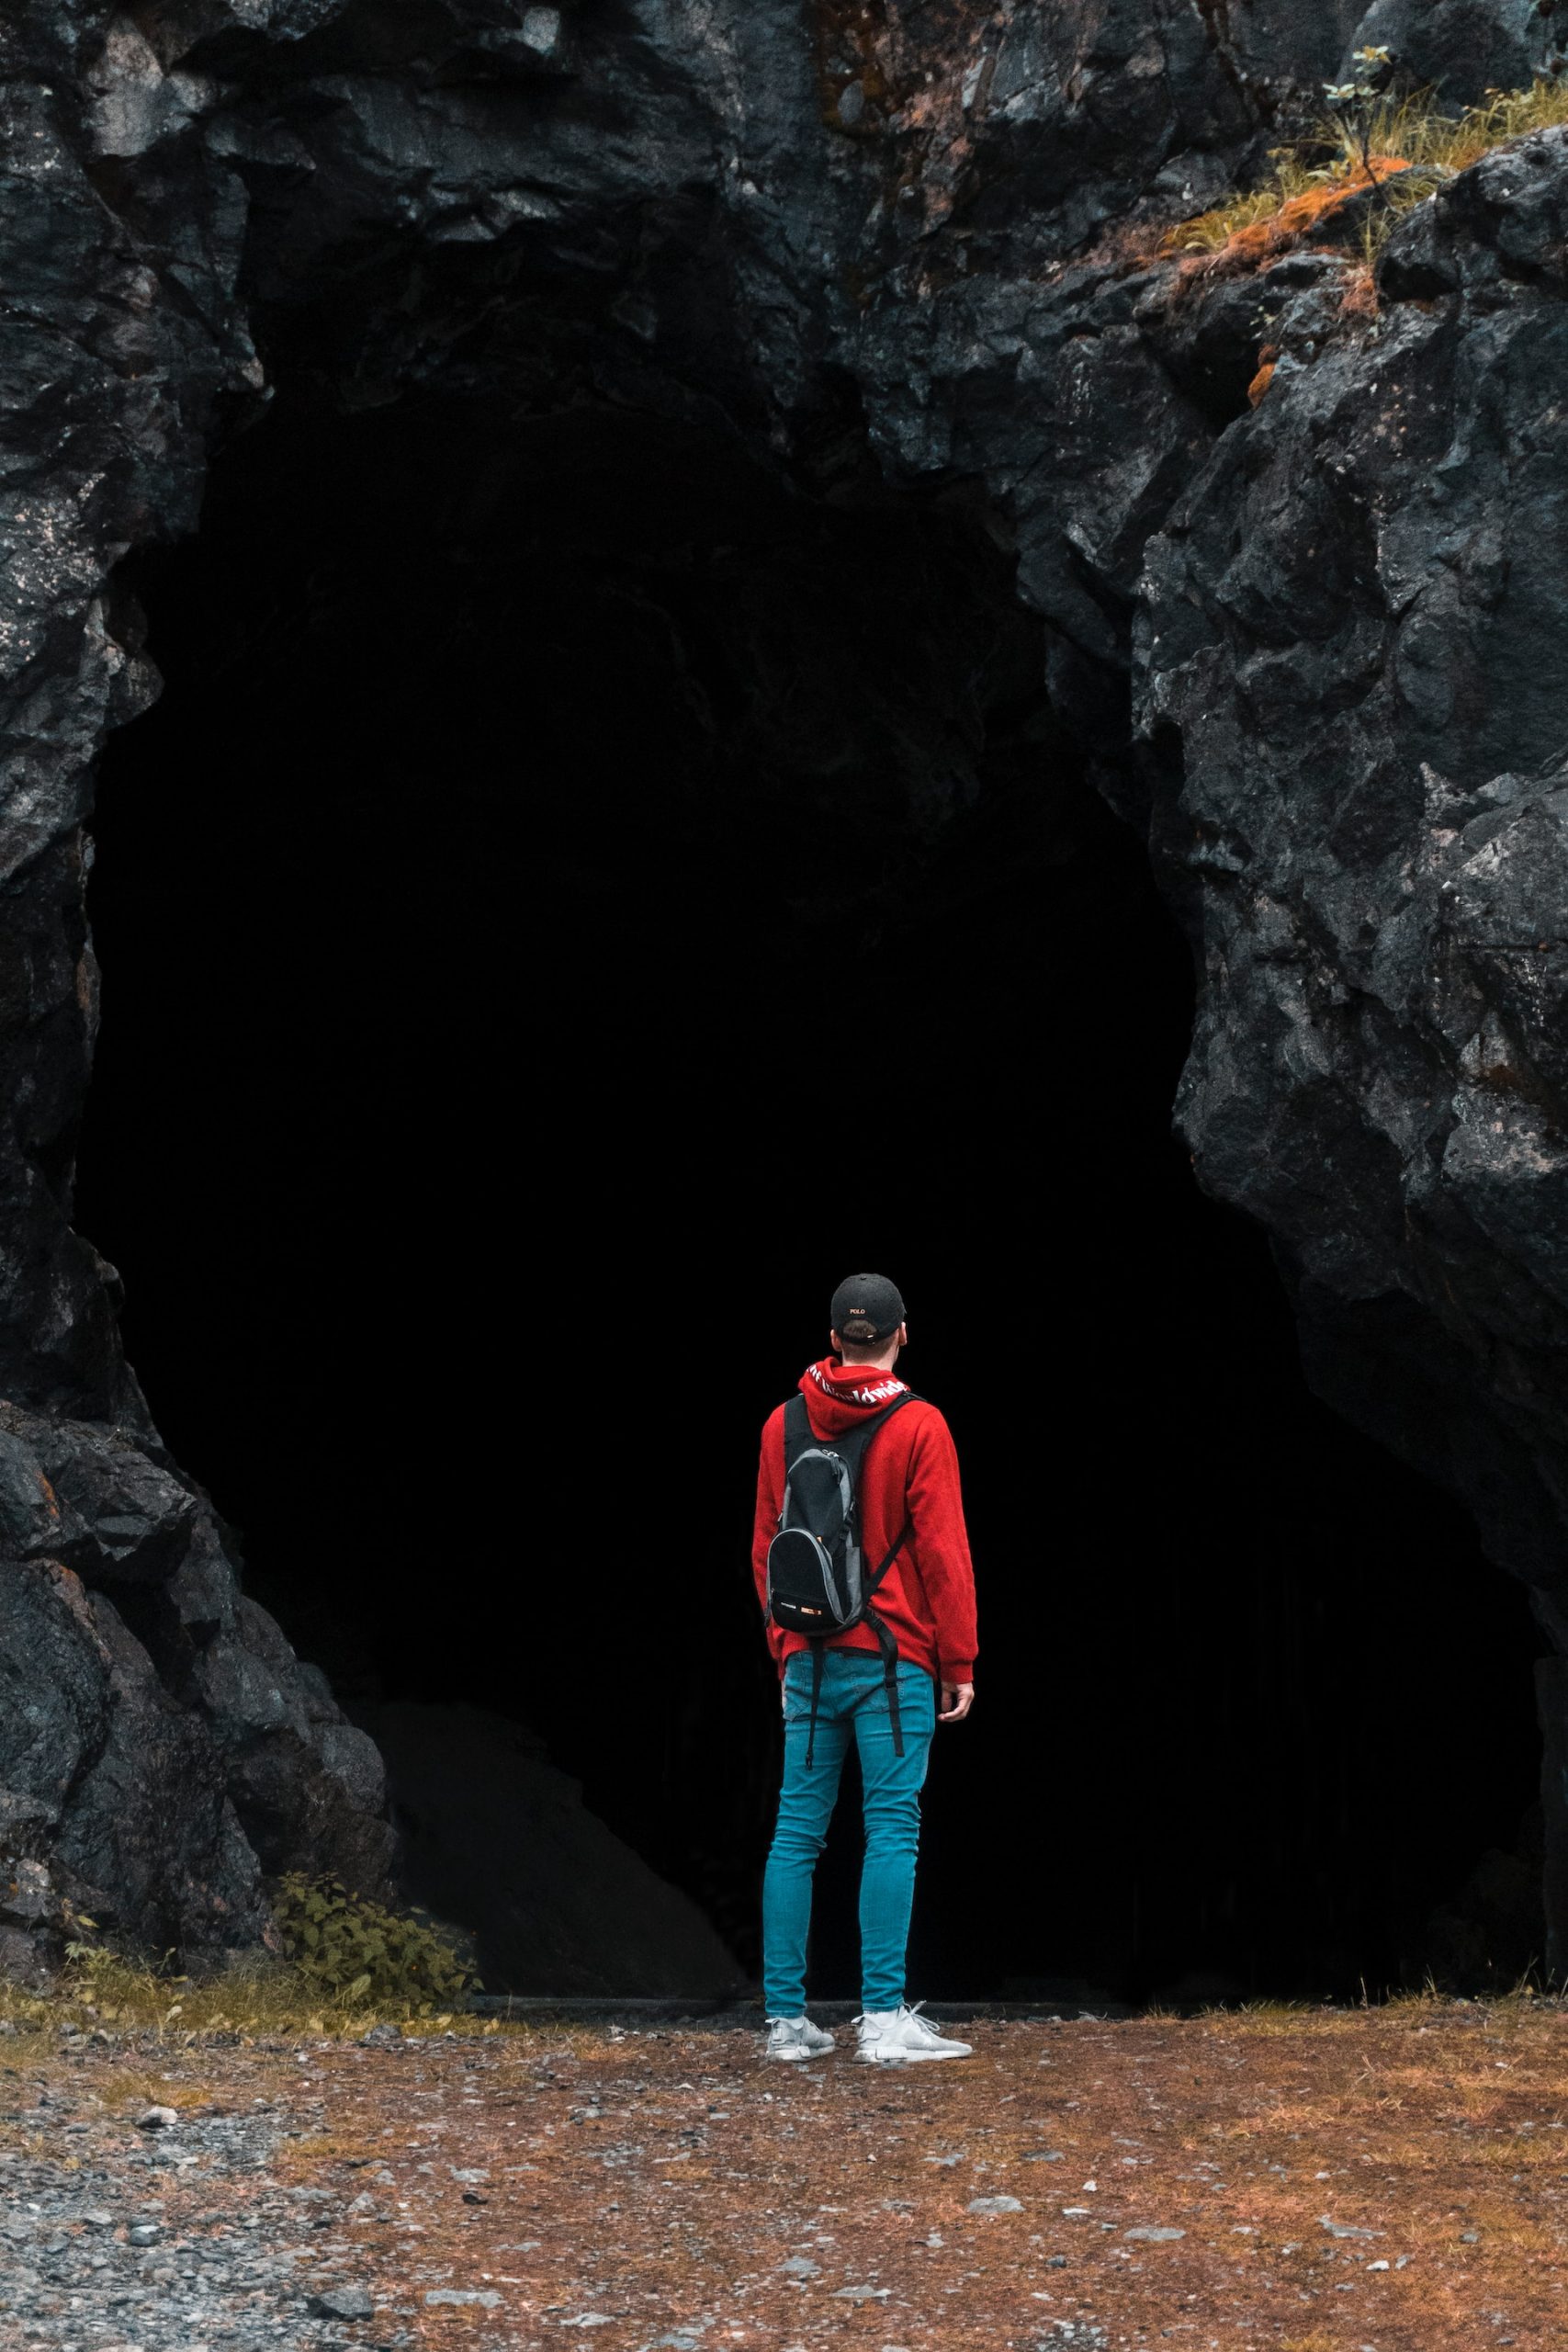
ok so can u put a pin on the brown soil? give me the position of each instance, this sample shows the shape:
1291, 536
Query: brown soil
617, 2189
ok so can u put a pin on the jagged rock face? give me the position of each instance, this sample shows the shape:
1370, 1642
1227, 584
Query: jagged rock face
160, 1744
846, 236
1347, 645
1467, 46
121, 1788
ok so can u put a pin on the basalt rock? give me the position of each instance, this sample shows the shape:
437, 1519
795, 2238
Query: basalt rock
1345, 668
1310, 644
160, 1744
490, 1833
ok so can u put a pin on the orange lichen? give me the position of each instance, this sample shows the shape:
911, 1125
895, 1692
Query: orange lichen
1296, 218
1358, 294
1265, 376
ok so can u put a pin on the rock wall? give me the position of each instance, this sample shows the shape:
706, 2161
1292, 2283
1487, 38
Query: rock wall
1310, 646
1346, 644
160, 1744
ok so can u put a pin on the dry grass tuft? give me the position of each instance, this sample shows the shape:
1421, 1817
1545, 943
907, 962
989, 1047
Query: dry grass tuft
140, 2087
302, 2158
1248, 231
104, 1992
1412, 146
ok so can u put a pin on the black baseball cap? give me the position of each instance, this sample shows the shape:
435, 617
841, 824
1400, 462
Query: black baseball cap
866, 1306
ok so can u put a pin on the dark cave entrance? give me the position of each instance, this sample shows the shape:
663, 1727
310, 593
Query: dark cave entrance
576, 897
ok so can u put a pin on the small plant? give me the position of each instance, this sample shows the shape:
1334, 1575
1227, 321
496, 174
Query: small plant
357, 1954
1402, 146
1354, 104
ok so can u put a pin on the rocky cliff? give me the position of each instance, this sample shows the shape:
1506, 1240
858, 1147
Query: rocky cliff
1310, 644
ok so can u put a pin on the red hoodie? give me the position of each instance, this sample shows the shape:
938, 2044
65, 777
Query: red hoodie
910, 1471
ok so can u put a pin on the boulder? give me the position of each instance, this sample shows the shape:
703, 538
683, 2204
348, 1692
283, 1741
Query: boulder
492, 1836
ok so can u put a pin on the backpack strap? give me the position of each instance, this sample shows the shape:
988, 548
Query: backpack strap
797, 1431
819, 1650
899, 1543
854, 1441
853, 1445
873, 1617
889, 1648
885, 1641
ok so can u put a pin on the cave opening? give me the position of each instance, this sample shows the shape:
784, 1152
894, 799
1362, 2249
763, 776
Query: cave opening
579, 893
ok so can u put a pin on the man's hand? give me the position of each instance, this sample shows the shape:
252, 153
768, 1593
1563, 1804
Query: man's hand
957, 1698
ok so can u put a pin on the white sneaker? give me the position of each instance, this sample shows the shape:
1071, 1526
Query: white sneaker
902, 2037
796, 2038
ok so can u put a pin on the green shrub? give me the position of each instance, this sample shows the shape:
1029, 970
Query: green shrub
360, 1955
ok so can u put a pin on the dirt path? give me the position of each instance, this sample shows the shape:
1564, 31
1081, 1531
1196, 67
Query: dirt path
1306, 2183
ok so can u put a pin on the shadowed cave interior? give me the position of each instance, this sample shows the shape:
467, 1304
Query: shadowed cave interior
579, 895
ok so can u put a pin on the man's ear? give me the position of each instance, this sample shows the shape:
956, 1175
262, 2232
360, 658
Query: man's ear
837, 1345
903, 1335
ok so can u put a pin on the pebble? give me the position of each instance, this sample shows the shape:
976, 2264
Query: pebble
862, 2294
186, 2274
341, 2302
1344, 2229
996, 2205
1045, 2156
485, 2297
1150, 2236
157, 2119
800, 2266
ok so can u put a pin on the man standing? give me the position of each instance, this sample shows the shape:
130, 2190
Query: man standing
876, 1681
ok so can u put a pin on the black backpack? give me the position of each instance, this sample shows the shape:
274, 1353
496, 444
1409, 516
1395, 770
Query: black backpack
816, 1580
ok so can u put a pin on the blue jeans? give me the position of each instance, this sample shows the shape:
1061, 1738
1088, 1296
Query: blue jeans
853, 1705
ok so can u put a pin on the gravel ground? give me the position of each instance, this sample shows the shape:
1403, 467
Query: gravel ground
161, 2227
1395, 2181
